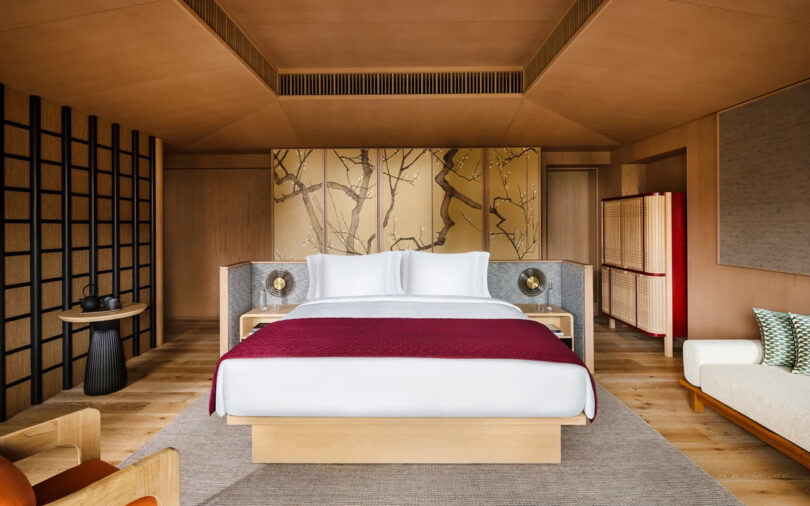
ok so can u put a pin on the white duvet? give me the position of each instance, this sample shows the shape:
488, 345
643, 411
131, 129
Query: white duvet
403, 387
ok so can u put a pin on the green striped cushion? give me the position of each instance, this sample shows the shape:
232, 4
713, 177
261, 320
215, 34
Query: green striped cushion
801, 328
778, 343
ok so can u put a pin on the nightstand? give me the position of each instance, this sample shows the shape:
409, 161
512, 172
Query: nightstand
249, 320
557, 317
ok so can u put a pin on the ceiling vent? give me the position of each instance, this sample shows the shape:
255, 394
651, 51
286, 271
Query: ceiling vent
570, 24
401, 83
216, 18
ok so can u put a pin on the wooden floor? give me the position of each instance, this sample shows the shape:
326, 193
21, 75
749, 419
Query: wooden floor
163, 382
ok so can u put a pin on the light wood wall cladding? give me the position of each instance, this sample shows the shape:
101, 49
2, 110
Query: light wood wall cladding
431, 199
763, 183
78, 207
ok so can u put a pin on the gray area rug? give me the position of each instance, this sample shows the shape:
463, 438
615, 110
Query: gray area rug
619, 459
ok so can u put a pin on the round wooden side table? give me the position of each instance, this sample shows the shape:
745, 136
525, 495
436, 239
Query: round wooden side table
106, 369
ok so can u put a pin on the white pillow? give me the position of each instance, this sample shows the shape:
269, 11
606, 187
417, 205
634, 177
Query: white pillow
352, 276
462, 274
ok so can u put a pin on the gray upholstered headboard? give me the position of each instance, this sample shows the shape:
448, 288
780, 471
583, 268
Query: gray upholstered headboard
572, 285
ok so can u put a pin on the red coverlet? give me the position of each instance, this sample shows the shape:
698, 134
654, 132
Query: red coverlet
402, 337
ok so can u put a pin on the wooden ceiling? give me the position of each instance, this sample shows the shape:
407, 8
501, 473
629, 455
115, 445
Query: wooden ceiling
321, 34
636, 69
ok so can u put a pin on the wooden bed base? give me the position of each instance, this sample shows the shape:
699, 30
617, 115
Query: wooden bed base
337, 440
697, 399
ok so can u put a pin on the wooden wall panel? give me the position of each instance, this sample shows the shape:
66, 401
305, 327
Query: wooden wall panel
59, 231
213, 217
720, 297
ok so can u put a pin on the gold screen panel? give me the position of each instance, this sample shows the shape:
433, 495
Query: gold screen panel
458, 194
297, 203
351, 197
406, 203
514, 203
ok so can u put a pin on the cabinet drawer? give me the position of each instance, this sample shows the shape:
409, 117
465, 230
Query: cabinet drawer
651, 301
623, 296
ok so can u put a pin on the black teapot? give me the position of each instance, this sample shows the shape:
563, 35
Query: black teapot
90, 301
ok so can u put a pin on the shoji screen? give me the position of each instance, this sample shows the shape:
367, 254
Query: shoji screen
78, 207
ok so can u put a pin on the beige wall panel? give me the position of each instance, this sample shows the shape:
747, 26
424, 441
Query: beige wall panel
213, 218
51, 177
570, 212
17, 173
51, 324
666, 175
18, 269
51, 150
18, 398
17, 237
351, 201
17, 301
18, 333
18, 365
51, 117
458, 196
51, 265
16, 205
514, 189
51, 294
297, 199
16, 106
16, 140
406, 198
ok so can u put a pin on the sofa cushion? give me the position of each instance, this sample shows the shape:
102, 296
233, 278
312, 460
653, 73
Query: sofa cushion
769, 395
801, 330
778, 341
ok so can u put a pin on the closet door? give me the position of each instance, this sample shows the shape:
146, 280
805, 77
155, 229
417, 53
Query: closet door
612, 232
606, 290
655, 230
632, 235
651, 301
623, 296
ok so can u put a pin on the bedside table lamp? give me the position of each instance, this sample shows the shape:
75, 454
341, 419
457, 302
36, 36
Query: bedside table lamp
278, 284
532, 283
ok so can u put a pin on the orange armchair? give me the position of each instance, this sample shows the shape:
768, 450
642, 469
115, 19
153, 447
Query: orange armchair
154, 480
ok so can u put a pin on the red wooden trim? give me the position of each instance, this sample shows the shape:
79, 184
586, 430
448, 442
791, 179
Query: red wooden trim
680, 322
651, 274
651, 194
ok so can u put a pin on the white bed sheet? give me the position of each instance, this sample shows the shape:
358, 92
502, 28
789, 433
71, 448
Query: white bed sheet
403, 387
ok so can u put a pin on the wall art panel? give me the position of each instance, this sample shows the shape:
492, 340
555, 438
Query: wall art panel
298, 212
351, 201
406, 204
458, 196
514, 203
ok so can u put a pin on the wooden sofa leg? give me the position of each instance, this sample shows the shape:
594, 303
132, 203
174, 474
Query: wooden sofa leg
695, 403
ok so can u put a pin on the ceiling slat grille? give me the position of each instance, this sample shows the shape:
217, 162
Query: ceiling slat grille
213, 15
573, 20
401, 83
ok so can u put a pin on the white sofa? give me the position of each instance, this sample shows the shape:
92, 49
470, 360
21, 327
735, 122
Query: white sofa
730, 372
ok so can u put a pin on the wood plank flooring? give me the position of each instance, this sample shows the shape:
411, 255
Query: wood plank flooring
163, 382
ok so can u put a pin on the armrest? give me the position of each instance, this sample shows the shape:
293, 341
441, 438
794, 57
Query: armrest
158, 476
699, 352
81, 429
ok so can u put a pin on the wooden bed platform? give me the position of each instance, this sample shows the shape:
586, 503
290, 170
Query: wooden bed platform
339, 440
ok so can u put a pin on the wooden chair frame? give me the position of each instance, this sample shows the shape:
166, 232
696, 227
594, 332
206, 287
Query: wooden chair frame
157, 475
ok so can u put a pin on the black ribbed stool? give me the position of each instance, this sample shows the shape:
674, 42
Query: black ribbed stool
106, 368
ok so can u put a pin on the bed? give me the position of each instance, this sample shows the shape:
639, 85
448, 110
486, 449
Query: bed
359, 402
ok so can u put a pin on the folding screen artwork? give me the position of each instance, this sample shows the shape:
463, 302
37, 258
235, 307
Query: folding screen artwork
363, 200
